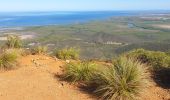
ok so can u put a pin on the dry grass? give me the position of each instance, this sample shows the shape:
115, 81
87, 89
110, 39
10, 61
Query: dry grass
8, 59
81, 71
125, 80
39, 50
68, 53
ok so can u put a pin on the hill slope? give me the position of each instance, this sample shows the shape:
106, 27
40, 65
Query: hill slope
36, 80
31, 82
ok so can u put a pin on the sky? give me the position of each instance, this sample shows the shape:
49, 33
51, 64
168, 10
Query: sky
82, 5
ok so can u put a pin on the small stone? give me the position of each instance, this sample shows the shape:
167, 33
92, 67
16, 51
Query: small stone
67, 61
56, 59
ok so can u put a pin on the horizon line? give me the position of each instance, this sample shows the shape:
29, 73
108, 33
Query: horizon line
83, 10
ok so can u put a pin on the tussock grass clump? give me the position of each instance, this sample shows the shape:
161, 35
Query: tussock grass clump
124, 80
25, 52
81, 71
18, 52
168, 53
68, 53
39, 50
13, 41
156, 59
8, 59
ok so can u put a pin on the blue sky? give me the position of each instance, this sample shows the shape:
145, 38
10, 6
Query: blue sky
85, 5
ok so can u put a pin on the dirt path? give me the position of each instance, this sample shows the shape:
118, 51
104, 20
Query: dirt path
155, 92
36, 80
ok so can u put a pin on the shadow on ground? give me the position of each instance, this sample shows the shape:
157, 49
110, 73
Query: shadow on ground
162, 78
81, 86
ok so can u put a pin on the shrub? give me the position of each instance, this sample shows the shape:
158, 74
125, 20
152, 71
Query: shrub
81, 71
17, 52
13, 41
8, 59
168, 52
26, 52
39, 50
124, 80
67, 53
156, 59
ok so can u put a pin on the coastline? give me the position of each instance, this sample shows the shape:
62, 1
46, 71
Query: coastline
33, 19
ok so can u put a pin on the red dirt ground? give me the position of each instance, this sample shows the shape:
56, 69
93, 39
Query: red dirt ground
35, 80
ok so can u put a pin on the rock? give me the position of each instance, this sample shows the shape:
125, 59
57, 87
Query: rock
56, 59
67, 61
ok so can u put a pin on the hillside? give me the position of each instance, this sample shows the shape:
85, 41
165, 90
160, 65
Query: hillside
101, 39
31, 82
36, 79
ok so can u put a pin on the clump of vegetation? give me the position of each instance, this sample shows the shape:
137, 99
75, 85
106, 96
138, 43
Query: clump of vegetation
124, 80
25, 52
81, 71
168, 52
18, 52
156, 59
13, 41
39, 50
8, 59
68, 53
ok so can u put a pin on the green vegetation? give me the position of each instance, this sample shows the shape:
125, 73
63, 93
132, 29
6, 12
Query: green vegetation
8, 59
81, 71
125, 80
13, 41
67, 53
39, 50
11, 51
106, 38
156, 59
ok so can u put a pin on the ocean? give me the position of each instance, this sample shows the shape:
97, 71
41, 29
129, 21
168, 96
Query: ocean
23, 19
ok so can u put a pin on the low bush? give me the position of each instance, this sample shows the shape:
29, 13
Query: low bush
39, 50
25, 52
67, 53
18, 52
156, 59
13, 41
81, 71
125, 80
8, 59
168, 52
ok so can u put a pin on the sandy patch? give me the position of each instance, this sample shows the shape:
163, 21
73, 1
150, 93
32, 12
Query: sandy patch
162, 26
23, 37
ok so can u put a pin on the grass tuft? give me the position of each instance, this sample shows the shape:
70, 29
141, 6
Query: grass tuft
68, 53
81, 71
125, 80
8, 59
39, 50
156, 59
13, 41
